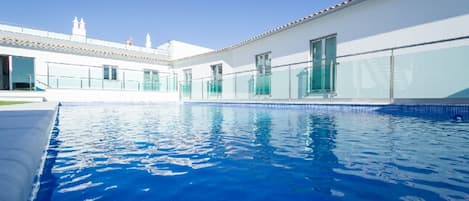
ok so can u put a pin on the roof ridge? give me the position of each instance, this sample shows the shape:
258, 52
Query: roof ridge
282, 27
290, 24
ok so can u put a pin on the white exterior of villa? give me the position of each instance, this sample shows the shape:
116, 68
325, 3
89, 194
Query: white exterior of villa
387, 51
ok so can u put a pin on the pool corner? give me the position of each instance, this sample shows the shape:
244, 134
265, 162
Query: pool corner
25, 134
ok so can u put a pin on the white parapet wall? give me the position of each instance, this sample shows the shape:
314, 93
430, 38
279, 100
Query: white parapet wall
69, 95
77, 95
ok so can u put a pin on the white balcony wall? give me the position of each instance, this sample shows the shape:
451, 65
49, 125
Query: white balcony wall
360, 27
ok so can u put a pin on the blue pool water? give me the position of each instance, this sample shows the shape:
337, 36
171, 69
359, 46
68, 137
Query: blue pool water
203, 152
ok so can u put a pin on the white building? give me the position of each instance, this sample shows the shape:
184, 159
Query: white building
76, 68
387, 51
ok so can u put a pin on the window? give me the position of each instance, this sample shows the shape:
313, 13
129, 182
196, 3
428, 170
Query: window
113, 74
216, 71
109, 72
215, 85
151, 80
323, 56
187, 84
188, 75
264, 71
106, 73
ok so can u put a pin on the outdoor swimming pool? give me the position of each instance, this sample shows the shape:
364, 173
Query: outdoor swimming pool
210, 152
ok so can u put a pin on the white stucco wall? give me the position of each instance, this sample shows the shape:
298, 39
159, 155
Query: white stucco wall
365, 26
42, 57
72, 71
177, 49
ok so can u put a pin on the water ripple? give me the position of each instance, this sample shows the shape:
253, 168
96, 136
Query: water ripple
175, 152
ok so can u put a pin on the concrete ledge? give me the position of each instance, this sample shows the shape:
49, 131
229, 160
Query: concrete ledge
90, 95
25, 131
21, 96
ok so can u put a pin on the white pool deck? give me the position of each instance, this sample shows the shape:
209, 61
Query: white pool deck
24, 135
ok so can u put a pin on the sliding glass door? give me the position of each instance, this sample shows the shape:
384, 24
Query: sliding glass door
151, 80
264, 71
215, 85
322, 73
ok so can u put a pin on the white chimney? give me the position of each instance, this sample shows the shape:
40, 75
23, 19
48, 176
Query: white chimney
148, 41
75, 29
82, 27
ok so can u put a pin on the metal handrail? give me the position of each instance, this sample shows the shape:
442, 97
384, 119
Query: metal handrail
92, 66
156, 86
351, 55
86, 78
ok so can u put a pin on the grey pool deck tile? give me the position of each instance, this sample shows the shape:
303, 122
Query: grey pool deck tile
24, 134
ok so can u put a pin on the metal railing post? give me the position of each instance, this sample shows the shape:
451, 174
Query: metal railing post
48, 75
167, 83
180, 96
89, 78
323, 78
30, 84
123, 80
391, 77
331, 72
235, 85
309, 79
289, 82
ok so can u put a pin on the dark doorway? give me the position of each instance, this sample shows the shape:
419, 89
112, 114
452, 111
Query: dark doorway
4, 73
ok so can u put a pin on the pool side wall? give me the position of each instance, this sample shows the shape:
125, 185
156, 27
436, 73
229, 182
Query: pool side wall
25, 132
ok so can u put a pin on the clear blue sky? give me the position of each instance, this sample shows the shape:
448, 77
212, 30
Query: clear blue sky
210, 23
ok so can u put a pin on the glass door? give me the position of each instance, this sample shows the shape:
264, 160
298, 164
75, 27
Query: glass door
147, 80
155, 80
330, 62
317, 73
22, 73
322, 73
187, 84
264, 71
215, 85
